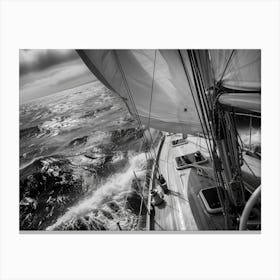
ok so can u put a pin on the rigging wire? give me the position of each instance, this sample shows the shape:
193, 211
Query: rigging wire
205, 101
196, 107
215, 116
150, 106
243, 159
250, 169
133, 103
199, 89
153, 156
152, 89
227, 64
151, 99
218, 175
142, 198
201, 83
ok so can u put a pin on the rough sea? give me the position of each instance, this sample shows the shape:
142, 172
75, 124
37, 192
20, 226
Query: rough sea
82, 162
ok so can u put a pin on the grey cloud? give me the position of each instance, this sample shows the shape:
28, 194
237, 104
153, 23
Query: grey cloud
38, 60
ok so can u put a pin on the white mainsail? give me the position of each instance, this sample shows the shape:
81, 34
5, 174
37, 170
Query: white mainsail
239, 72
152, 83
237, 69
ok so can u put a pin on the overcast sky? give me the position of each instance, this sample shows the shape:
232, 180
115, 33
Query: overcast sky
43, 72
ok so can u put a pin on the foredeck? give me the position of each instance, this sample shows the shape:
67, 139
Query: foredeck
175, 213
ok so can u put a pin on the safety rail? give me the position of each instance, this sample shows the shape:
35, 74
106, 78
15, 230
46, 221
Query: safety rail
151, 183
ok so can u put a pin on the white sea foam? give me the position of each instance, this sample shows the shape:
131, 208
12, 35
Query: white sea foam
114, 189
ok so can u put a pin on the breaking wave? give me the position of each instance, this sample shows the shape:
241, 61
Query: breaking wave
105, 208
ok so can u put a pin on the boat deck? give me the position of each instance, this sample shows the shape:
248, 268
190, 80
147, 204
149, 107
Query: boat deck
175, 213
182, 208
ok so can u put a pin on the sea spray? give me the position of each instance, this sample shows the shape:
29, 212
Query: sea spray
106, 207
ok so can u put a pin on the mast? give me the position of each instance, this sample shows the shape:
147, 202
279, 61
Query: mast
218, 119
203, 98
228, 83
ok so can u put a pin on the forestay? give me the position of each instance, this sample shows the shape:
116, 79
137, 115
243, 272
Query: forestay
152, 83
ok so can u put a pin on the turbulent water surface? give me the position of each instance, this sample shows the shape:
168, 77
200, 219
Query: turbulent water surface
82, 162
80, 155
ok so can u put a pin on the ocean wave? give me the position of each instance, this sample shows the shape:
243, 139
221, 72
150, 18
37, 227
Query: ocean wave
89, 213
29, 132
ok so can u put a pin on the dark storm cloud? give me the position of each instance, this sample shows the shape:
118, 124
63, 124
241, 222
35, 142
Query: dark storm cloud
38, 60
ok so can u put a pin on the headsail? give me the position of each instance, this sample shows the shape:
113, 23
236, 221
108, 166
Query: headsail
152, 83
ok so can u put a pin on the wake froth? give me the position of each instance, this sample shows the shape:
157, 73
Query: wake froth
106, 206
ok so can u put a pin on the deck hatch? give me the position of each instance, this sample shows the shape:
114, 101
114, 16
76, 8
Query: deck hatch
179, 142
188, 160
210, 199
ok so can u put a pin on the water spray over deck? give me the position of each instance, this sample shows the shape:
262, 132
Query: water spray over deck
106, 207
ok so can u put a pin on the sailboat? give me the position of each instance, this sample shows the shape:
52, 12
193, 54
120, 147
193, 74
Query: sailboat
203, 176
